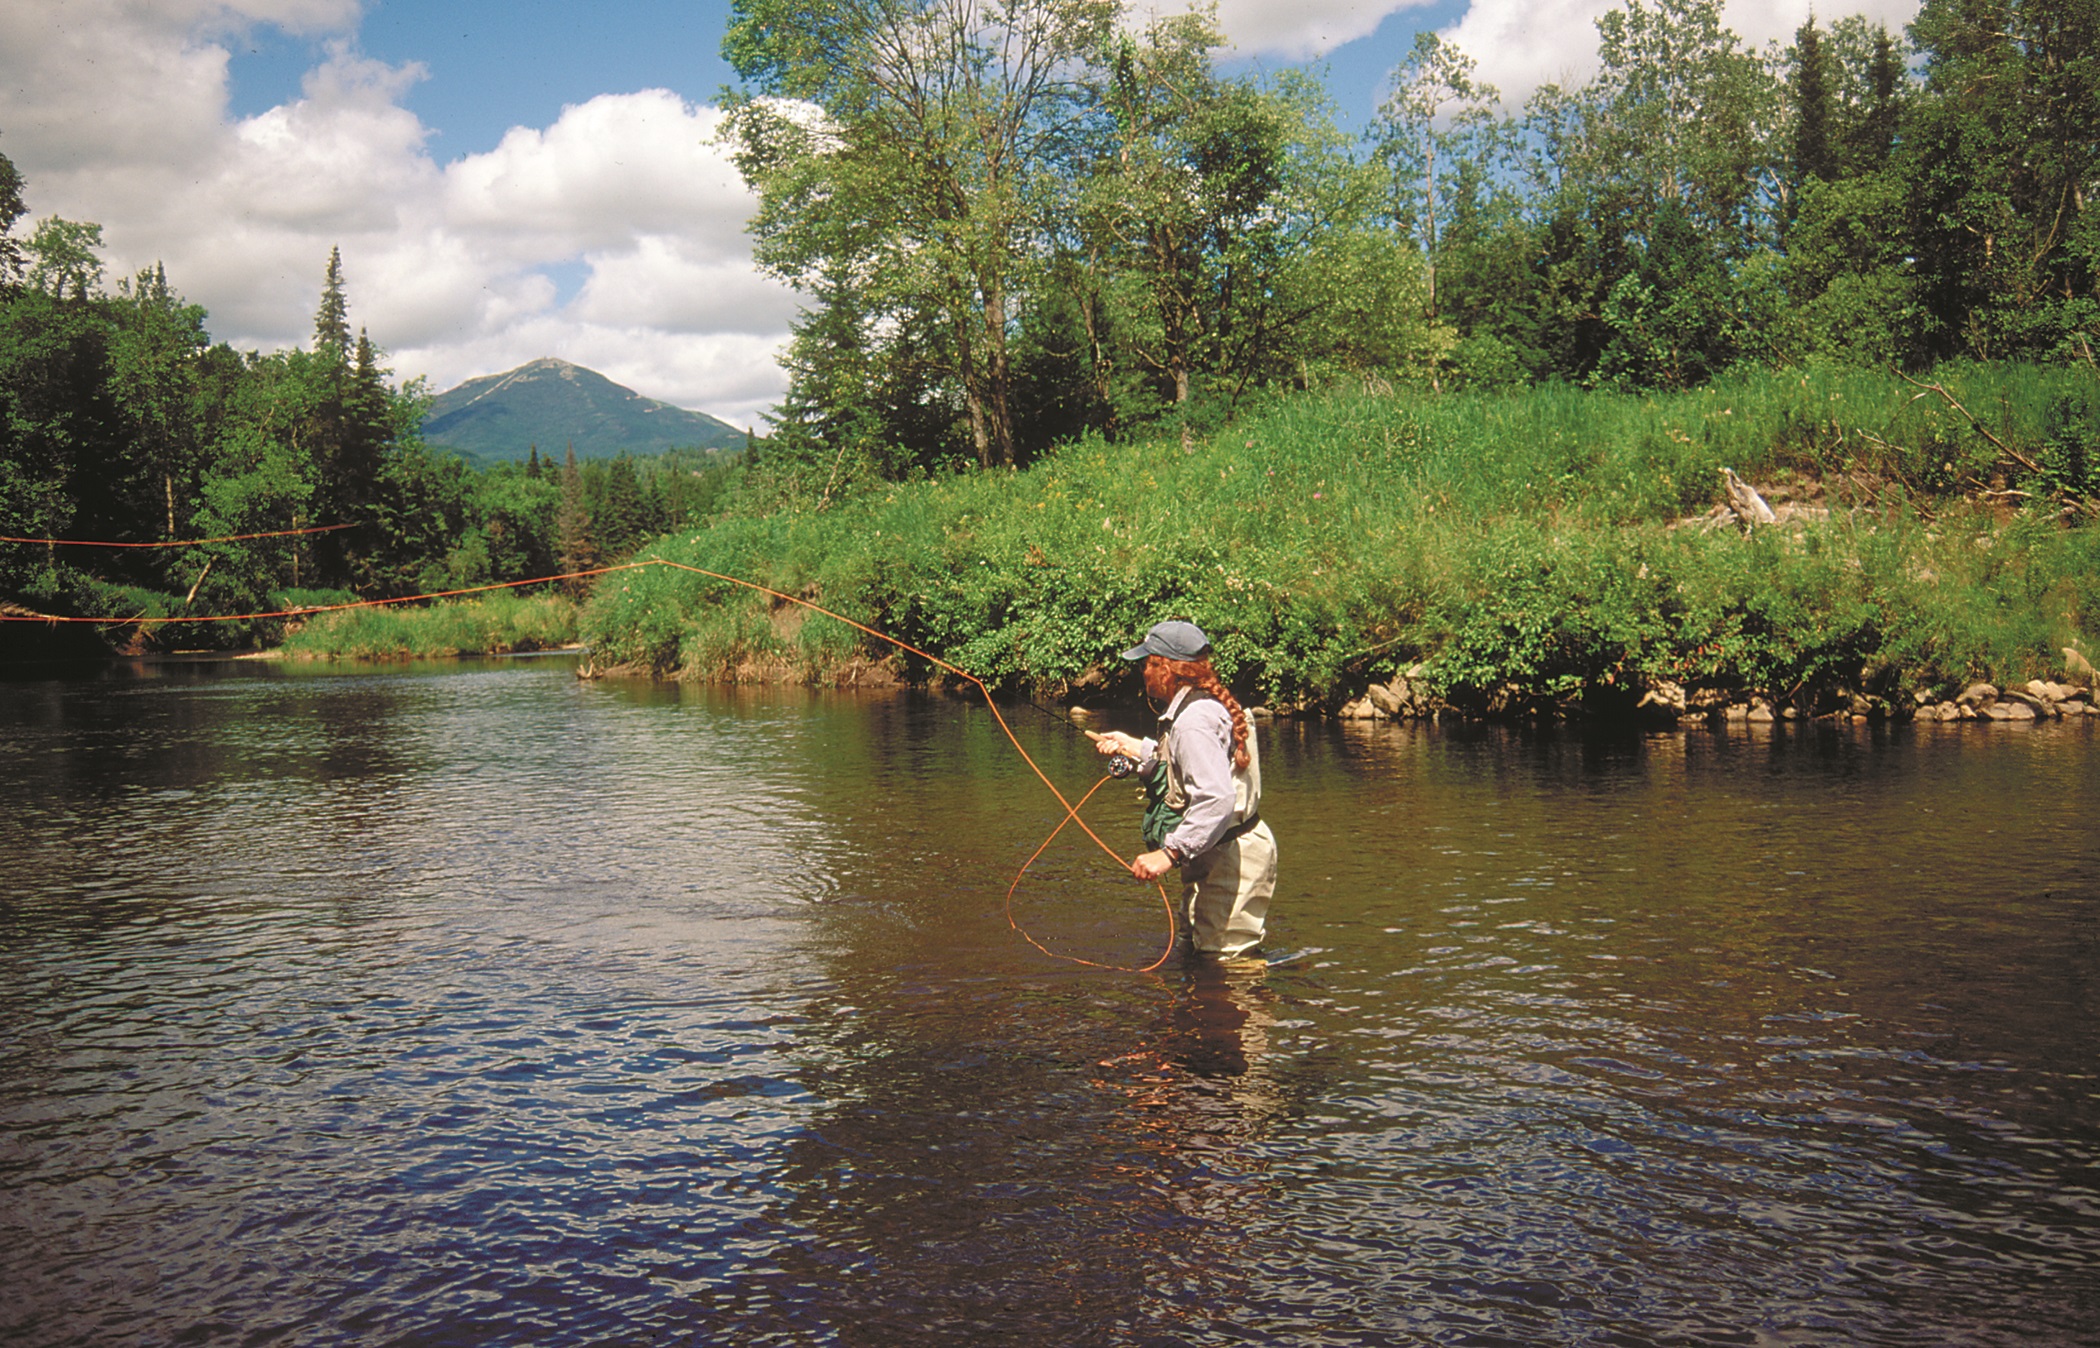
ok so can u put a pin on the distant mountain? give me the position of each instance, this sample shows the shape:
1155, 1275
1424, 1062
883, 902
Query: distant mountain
553, 404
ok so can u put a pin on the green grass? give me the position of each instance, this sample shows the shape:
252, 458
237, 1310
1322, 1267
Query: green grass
1516, 544
494, 623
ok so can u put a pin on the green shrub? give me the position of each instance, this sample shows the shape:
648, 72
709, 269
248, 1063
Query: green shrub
493, 623
1511, 540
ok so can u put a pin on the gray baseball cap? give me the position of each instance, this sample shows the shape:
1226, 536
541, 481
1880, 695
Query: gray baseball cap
1175, 640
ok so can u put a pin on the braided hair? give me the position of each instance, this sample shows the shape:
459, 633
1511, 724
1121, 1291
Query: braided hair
1199, 675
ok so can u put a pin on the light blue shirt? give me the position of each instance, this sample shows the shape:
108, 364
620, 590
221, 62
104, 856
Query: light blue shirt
1202, 733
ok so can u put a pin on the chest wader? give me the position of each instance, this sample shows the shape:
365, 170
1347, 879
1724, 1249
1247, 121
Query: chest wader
1226, 888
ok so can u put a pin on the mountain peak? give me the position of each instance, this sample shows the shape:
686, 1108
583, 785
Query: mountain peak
552, 404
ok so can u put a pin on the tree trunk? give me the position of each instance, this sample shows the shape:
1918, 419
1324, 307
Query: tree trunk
973, 394
1000, 408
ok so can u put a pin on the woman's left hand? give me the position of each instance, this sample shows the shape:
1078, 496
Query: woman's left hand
1151, 865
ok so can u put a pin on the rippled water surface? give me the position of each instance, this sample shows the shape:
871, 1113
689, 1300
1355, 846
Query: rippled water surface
481, 1005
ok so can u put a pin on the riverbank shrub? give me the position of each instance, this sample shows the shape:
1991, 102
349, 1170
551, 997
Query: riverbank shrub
492, 623
1546, 544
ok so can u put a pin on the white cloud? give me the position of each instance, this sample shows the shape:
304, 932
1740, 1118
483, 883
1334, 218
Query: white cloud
616, 166
664, 281
1521, 44
1296, 29
117, 112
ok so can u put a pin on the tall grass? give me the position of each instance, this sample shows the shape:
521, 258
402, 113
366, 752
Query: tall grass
1517, 542
492, 623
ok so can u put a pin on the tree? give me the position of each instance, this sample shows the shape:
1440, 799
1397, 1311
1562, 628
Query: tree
941, 124
57, 426
1814, 155
572, 526
622, 512
1678, 114
835, 412
1437, 124
2002, 158
1660, 174
332, 318
1149, 215
11, 210
1190, 262
1872, 88
156, 378
261, 478
515, 513
1846, 269
350, 419
64, 259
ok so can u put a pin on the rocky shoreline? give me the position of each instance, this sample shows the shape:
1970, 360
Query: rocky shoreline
1408, 697
1405, 698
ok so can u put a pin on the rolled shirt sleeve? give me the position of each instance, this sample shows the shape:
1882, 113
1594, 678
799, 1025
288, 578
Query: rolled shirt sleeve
1203, 749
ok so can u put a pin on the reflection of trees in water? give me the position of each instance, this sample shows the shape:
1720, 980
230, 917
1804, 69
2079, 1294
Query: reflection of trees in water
1005, 1164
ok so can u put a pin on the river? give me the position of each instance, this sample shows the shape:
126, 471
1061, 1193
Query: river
479, 1004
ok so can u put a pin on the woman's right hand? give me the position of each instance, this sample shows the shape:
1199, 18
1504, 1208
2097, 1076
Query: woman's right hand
1110, 742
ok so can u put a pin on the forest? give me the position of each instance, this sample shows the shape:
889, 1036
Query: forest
125, 422
1032, 235
1021, 222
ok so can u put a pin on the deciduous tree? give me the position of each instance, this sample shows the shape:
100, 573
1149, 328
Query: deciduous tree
912, 140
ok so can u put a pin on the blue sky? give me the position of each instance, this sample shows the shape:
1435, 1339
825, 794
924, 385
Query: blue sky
495, 64
531, 178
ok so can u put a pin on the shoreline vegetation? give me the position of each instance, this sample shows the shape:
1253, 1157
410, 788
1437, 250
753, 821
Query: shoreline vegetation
1741, 377
1550, 554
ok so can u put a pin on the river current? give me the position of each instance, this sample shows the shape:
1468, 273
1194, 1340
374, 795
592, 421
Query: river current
478, 1004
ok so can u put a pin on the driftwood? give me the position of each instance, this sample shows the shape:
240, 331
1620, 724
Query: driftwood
1749, 507
2007, 450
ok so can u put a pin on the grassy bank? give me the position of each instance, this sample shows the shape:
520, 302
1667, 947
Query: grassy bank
494, 623
1513, 550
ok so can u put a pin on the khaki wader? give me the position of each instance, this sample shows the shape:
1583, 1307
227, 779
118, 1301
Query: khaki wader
1226, 889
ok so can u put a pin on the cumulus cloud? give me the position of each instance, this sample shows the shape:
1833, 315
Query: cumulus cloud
117, 112
1296, 29
1519, 44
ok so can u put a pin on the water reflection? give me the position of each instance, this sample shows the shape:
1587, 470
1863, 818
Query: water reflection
497, 1007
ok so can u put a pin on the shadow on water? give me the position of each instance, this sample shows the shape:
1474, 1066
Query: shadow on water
351, 1005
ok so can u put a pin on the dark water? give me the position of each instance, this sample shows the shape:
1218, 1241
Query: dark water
485, 1006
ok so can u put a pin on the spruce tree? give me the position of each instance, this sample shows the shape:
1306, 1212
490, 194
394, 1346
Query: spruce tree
11, 210
332, 319
572, 525
1875, 136
1812, 142
621, 522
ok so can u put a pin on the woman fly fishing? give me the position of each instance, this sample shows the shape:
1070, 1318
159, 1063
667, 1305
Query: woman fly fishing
1202, 780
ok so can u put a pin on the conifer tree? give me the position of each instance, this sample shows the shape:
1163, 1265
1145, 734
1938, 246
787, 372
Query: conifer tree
332, 319
1812, 139
621, 517
1875, 135
11, 210
572, 524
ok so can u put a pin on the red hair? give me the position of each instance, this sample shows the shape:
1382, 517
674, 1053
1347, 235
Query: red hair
1199, 675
